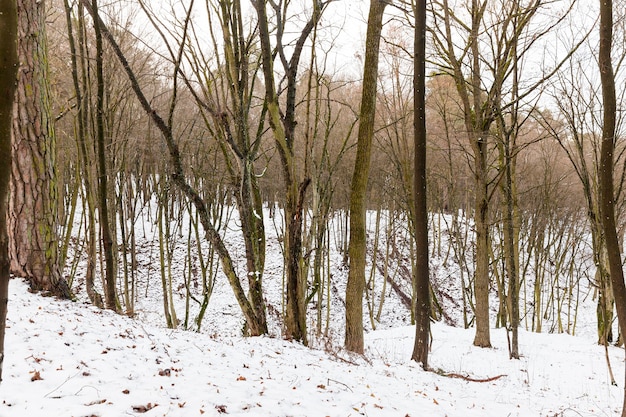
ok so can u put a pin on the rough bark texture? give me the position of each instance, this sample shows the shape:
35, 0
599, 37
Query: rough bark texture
421, 281
607, 203
8, 73
358, 191
33, 205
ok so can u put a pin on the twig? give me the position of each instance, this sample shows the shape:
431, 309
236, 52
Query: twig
63, 383
469, 378
339, 382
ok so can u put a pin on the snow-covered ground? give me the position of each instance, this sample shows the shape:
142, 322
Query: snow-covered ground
70, 359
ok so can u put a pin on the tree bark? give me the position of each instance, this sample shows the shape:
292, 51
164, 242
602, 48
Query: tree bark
80, 78
110, 297
357, 246
607, 200
33, 244
283, 124
8, 74
421, 281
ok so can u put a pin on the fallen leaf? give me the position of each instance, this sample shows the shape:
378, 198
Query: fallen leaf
144, 408
241, 378
126, 392
36, 376
96, 402
221, 409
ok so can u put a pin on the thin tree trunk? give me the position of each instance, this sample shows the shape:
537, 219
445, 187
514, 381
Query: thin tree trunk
8, 74
33, 244
85, 161
110, 297
607, 201
358, 191
421, 281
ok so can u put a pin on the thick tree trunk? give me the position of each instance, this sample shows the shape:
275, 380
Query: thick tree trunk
482, 337
607, 199
421, 280
33, 207
8, 73
357, 246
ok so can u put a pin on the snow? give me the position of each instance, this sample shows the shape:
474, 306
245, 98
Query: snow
69, 359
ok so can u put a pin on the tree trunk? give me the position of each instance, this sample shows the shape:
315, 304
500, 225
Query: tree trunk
607, 203
283, 124
358, 191
421, 281
33, 207
81, 138
8, 73
110, 297
481, 218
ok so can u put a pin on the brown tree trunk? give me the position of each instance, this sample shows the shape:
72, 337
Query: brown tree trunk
85, 162
110, 297
33, 210
421, 281
607, 203
283, 126
8, 73
357, 246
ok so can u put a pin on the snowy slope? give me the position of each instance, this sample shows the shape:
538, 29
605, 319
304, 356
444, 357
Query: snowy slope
70, 359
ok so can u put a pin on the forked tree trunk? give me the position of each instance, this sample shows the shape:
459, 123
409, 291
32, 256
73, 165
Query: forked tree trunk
33, 207
283, 123
8, 72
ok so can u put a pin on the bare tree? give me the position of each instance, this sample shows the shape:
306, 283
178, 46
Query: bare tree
607, 197
8, 73
110, 296
165, 126
357, 246
79, 64
282, 121
492, 38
